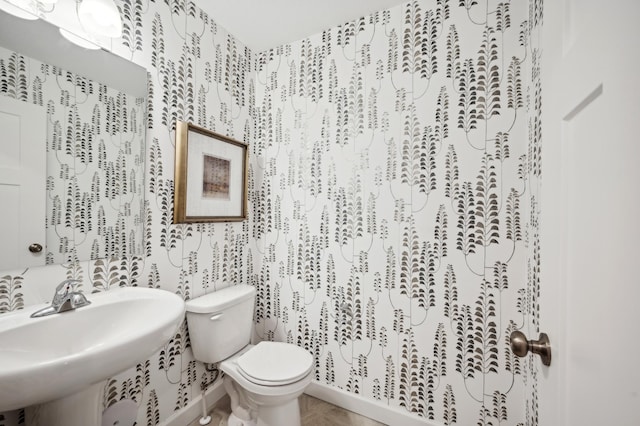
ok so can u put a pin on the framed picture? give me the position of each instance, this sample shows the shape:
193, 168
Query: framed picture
210, 176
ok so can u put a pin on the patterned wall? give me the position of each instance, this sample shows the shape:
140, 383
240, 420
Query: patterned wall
393, 195
95, 159
198, 73
394, 205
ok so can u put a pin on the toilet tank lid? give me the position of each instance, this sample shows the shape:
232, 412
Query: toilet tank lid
218, 300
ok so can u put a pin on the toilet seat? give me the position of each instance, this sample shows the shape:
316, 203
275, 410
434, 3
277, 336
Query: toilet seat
274, 364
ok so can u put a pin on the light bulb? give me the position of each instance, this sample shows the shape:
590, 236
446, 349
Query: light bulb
100, 17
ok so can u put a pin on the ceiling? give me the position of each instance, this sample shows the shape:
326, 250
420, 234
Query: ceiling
263, 24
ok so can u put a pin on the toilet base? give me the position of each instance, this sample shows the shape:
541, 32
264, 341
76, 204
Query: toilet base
233, 420
251, 409
281, 415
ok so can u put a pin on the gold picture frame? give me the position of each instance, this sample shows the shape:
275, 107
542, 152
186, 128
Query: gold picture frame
210, 176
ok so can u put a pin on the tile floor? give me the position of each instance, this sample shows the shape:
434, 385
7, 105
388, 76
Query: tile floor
314, 412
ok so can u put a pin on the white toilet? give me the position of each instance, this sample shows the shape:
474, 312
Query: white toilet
263, 381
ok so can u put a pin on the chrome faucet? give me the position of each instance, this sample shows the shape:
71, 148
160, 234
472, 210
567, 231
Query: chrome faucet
64, 299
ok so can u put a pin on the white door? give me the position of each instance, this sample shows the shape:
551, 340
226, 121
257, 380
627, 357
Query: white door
590, 220
23, 135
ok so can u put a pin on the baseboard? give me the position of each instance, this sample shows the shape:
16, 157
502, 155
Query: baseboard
365, 407
193, 410
382, 413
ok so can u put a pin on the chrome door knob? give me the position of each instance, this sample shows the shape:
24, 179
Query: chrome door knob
520, 346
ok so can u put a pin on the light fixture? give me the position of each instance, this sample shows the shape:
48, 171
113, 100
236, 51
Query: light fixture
17, 9
100, 17
85, 41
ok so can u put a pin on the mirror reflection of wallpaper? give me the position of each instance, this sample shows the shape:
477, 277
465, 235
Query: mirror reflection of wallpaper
95, 159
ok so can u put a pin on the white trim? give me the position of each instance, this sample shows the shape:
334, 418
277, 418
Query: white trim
193, 410
349, 401
365, 407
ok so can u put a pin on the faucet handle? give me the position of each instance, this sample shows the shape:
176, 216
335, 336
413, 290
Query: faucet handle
62, 290
66, 283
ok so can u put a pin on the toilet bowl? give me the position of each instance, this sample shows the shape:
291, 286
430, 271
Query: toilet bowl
270, 384
264, 380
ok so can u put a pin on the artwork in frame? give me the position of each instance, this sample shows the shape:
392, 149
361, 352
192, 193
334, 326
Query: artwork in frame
210, 176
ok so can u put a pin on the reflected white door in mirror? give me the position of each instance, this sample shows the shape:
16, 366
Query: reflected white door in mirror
22, 182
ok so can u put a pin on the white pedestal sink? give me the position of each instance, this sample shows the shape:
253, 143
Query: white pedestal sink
62, 358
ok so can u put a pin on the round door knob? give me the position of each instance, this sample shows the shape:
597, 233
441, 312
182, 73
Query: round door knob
520, 346
35, 248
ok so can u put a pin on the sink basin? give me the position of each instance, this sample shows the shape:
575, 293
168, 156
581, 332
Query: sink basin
43, 359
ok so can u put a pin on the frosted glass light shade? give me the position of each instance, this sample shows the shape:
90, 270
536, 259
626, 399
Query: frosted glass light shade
100, 17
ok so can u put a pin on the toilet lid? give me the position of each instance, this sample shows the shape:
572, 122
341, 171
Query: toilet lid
275, 363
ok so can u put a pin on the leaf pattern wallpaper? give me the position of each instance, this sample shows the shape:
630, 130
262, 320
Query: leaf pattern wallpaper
198, 72
394, 216
393, 202
95, 159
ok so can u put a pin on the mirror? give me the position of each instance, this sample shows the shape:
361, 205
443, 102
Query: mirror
95, 109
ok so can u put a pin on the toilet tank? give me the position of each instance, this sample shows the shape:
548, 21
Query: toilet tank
220, 323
